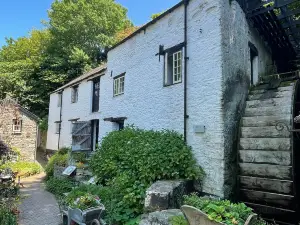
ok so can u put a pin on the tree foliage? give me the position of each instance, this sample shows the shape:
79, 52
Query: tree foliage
72, 43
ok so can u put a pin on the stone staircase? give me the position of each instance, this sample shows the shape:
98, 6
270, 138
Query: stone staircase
265, 153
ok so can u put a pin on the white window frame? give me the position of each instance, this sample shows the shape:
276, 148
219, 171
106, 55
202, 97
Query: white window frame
177, 65
17, 126
119, 85
74, 94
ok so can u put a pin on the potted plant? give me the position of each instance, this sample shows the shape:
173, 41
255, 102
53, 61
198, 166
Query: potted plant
80, 168
85, 209
210, 211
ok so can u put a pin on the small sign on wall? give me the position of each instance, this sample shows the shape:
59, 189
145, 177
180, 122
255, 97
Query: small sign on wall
199, 129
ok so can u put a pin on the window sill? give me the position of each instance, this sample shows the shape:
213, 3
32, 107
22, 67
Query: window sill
118, 95
168, 85
17, 132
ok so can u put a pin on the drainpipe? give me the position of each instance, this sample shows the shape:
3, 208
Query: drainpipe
186, 2
60, 119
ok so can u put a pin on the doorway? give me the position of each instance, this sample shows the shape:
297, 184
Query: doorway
254, 63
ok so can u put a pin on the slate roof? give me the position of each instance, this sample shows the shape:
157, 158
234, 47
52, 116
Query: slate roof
85, 76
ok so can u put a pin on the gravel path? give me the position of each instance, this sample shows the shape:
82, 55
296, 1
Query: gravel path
38, 207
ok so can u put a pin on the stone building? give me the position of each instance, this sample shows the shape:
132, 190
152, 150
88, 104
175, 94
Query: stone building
19, 129
188, 70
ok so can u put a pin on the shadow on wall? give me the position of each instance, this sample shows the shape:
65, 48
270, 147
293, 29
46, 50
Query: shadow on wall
235, 94
4, 149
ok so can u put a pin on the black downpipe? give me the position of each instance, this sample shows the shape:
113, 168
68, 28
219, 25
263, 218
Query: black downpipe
60, 117
186, 2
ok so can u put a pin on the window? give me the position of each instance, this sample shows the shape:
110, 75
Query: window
173, 70
74, 95
17, 126
96, 95
57, 127
121, 124
59, 99
119, 83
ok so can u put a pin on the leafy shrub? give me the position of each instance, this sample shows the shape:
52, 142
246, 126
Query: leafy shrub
24, 169
178, 220
79, 157
60, 158
129, 161
7, 217
59, 186
222, 210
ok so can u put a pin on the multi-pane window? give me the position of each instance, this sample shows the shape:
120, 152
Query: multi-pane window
177, 68
59, 99
57, 127
74, 95
119, 84
17, 126
173, 67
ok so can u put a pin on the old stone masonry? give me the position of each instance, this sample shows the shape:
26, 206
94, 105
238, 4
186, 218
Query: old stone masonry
38, 206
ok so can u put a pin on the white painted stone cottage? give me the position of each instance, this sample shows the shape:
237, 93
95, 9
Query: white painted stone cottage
189, 70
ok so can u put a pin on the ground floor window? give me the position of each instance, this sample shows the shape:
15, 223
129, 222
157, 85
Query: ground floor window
17, 126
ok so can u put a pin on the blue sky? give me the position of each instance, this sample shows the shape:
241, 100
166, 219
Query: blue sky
18, 17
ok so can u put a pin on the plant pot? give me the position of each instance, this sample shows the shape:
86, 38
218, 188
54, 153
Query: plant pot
85, 216
197, 217
79, 171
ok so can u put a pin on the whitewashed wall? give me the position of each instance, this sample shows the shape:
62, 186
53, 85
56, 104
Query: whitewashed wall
70, 111
218, 36
149, 105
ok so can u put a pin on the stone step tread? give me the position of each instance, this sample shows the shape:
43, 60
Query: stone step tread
267, 111
269, 102
283, 144
264, 131
257, 121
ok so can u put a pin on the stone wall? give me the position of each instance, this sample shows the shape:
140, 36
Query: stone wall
24, 141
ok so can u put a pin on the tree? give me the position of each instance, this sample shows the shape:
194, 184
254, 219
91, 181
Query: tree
125, 33
88, 25
154, 16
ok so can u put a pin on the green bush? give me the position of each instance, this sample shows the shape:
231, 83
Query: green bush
222, 210
60, 158
59, 186
7, 217
24, 169
129, 161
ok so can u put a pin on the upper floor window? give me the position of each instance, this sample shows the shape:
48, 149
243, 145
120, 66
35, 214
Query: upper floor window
59, 99
74, 95
173, 67
17, 126
96, 95
119, 83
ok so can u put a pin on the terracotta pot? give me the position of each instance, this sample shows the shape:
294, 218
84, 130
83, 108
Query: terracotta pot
197, 217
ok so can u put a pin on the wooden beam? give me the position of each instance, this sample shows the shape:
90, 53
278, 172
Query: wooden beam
265, 184
266, 171
272, 199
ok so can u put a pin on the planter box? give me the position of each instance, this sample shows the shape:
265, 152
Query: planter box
197, 217
84, 217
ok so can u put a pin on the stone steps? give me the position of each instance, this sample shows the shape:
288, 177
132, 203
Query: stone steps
269, 94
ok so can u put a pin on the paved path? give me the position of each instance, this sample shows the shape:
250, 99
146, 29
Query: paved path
38, 207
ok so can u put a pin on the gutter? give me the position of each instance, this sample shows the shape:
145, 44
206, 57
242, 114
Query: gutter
60, 117
186, 58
